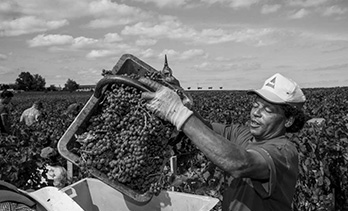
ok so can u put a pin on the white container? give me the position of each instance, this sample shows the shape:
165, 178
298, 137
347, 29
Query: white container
94, 195
52, 199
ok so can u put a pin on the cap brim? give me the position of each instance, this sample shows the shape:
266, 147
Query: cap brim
267, 95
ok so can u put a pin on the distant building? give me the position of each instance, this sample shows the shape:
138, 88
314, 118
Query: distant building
86, 88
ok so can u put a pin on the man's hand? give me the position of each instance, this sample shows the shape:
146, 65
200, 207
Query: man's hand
165, 103
174, 83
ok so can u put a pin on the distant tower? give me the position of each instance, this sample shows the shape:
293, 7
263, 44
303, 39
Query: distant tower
166, 71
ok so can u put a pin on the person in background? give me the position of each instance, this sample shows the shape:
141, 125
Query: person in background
5, 99
32, 114
259, 160
73, 109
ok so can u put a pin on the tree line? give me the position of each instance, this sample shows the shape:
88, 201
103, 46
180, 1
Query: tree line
35, 82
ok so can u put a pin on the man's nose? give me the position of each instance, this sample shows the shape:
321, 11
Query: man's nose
256, 112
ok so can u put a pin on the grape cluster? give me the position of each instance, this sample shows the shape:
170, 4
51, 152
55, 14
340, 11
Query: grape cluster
155, 76
125, 141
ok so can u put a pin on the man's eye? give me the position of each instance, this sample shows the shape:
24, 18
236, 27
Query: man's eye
268, 109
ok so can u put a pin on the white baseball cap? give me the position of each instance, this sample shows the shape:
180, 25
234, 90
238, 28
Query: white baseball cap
281, 90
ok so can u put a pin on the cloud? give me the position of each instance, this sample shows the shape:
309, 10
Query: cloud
88, 72
145, 42
100, 53
49, 40
168, 28
112, 37
328, 37
59, 9
29, 24
108, 14
4, 71
234, 59
165, 3
299, 14
236, 4
307, 3
342, 67
193, 53
175, 30
102, 13
59, 40
107, 22
109, 8
250, 36
170, 53
185, 55
267, 9
227, 66
8, 9
106, 46
112, 50
81, 42
242, 3
148, 53
3, 56
334, 10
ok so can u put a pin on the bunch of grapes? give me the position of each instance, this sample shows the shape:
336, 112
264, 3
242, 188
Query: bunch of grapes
126, 142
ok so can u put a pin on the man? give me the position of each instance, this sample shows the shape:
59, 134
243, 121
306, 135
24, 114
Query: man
5, 99
261, 161
32, 114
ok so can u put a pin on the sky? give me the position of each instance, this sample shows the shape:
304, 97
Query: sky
233, 44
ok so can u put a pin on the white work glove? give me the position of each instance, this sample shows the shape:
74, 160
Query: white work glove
174, 83
165, 103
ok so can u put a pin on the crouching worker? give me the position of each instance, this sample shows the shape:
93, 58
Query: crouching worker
261, 162
73, 109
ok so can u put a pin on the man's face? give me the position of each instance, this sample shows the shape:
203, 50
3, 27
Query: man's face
267, 120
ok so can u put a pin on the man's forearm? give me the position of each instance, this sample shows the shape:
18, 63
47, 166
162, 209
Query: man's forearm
206, 122
224, 153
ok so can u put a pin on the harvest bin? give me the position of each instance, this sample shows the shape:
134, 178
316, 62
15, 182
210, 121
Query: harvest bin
128, 64
94, 195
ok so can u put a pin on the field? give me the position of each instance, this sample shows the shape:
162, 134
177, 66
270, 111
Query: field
323, 149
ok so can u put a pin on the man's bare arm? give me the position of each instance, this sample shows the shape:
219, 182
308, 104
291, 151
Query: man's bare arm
229, 156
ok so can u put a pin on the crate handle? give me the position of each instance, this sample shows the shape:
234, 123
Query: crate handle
72, 194
119, 80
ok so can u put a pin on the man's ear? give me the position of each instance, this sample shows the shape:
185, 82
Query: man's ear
289, 121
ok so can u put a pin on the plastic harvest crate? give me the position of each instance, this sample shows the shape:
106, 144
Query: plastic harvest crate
127, 64
93, 195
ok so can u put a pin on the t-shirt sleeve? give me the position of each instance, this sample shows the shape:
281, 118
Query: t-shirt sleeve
235, 132
282, 160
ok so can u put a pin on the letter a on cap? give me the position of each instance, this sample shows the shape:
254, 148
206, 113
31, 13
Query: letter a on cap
271, 83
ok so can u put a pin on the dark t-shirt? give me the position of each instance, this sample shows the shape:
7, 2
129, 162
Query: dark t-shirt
245, 194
